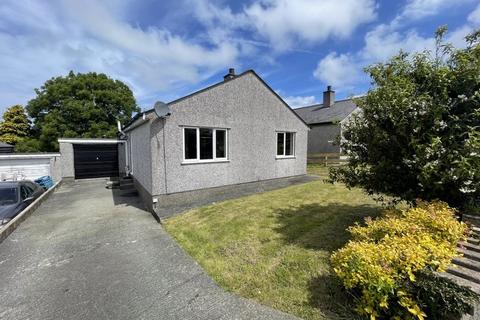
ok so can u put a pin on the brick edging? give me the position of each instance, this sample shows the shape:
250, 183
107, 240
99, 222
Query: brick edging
6, 230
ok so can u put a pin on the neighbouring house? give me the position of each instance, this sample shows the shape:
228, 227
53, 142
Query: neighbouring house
235, 131
6, 148
326, 121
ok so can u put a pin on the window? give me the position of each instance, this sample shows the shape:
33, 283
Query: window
204, 144
221, 143
25, 192
285, 144
190, 137
8, 196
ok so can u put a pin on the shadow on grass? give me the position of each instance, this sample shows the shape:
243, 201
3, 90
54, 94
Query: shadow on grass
323, 227
328, 295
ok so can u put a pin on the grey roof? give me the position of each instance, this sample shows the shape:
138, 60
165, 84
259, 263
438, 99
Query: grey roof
5, 145
320, 114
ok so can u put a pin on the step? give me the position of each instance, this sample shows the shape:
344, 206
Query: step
469, 246
126, 178
468, 263
470, 217
475, 287
464, 273
127, 187
470, 254
112, 184
473, 241
126, 184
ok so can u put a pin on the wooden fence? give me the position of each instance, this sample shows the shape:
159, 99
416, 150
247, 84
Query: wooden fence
327, 159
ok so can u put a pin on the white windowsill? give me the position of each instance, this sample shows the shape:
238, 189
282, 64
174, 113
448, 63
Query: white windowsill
285, 157
186, 162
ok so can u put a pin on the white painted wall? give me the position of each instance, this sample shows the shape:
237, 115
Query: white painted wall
28, 167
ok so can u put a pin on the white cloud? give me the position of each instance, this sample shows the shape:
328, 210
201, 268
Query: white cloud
338, 70
417, 9
387, 40
300, 101
474, 17
45, 39
284, 23
384, 41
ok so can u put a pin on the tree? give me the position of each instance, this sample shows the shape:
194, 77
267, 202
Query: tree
418, 135
28, 145
15, 125
79, 105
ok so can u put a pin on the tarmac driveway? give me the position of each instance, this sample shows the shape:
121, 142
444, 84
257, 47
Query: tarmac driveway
93, 253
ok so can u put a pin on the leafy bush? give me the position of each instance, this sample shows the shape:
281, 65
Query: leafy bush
442, 298
384, 257
417, 133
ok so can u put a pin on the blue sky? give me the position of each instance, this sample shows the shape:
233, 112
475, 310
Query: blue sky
166, 49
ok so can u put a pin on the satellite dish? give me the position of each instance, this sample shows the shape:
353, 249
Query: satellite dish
161, 109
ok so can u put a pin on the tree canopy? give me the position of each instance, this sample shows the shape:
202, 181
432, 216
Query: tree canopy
418, 132
15, 125
79, 105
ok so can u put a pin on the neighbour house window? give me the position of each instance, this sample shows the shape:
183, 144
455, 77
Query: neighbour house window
204, 144
285, 144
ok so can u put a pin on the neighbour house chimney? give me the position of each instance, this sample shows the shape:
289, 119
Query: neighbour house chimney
328, 97
230, 74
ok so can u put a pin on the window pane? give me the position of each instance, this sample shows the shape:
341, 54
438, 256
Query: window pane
280, 140
289, 140
190, 143
206, 144
221, 144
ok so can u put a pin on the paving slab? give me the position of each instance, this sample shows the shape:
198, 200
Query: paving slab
94, 253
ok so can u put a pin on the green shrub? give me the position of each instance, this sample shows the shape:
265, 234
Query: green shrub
442, 298
384, 257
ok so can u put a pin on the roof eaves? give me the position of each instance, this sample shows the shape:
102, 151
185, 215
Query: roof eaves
135, 118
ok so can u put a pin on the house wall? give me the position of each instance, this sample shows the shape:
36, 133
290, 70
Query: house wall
319, 137
141, 161
252, 113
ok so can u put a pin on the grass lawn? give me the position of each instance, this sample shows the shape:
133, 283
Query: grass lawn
274, 247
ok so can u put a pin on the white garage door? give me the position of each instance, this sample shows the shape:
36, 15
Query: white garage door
30, 169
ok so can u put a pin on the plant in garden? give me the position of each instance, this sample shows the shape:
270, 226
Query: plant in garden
15, 125
385, 256
440, 297
418, 132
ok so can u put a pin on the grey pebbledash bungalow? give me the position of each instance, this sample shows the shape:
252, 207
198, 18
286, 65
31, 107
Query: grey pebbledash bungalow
236, 131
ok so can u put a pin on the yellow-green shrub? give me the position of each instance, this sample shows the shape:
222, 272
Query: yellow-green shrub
383, 257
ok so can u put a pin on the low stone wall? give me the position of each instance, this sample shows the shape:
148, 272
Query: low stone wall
7, 229
175, 203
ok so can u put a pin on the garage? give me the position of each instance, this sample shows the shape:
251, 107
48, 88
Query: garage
95, 160
26, 166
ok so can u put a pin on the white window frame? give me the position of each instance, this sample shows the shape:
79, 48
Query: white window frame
283, 156
214, 139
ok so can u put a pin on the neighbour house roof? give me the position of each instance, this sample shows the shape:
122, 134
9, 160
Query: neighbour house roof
318, 114
131, 125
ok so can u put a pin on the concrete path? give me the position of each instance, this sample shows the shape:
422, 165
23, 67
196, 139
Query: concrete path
93, 253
